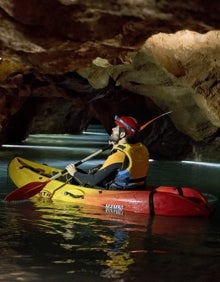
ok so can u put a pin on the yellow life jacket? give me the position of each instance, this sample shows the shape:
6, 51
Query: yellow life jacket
135, 171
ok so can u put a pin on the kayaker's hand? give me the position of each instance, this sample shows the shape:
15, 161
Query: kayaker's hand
71, 169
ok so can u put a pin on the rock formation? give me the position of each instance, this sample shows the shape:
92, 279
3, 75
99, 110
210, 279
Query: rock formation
65, 63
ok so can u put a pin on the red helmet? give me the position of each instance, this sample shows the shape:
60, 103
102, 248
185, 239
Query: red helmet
128, 123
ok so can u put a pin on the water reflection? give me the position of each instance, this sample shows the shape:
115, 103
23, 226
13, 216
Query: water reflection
75, 239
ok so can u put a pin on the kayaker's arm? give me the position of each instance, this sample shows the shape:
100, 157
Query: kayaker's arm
97, 178
106, 172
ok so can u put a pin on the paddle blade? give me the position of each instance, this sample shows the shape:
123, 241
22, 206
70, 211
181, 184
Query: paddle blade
25, 192
152, 120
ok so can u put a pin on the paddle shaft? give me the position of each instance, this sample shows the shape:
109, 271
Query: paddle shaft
82, 161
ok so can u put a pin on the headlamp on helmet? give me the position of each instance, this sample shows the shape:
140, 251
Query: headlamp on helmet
130, 124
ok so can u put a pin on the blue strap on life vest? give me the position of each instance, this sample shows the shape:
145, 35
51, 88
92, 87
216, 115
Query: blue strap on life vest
122, 178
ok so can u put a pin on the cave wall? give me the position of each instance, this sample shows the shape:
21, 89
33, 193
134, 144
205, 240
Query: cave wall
68, 62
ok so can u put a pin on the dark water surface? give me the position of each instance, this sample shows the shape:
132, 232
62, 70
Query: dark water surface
62, 242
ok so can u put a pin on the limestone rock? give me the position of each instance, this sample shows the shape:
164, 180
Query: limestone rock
80, 60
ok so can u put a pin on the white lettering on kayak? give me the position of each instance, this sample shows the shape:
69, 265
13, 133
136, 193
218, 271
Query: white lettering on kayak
118, 209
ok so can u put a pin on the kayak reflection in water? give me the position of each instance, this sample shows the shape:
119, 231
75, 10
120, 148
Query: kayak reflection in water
127, 165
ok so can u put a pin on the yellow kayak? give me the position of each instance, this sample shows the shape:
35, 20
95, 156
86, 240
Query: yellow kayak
158, 200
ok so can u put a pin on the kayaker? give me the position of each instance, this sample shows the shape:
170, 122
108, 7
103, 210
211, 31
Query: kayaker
127, 165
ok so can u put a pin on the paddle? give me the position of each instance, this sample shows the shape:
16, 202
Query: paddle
29, 190
152, 120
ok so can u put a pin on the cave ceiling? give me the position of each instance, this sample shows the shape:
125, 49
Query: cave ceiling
69, 62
